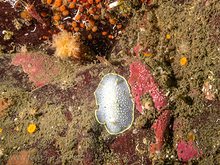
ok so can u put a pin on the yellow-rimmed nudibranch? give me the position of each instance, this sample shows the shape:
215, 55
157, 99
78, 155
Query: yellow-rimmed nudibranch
116, 107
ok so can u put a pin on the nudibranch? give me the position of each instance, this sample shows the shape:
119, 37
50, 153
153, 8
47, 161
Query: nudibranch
116, 107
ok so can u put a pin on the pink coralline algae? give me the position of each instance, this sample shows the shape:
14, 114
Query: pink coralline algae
160, 129
38, 67
186, 151
142, 82
136, 49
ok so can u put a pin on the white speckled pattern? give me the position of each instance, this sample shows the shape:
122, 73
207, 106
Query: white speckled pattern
116, 107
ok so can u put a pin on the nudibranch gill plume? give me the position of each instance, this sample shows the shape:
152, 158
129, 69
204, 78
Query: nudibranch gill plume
116, 107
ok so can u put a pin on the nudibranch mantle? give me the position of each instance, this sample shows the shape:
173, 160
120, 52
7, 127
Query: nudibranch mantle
116, 107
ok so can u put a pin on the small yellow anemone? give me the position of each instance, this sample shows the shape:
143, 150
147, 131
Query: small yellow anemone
183, 61
67, 45
190, 137
168, 36
31, 128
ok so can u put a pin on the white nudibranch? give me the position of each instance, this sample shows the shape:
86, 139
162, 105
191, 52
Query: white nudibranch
116, 107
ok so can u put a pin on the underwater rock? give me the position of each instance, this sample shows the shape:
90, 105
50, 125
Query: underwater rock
142, 82
22, 158
11, 75
39, 67
187, 151
116, 107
